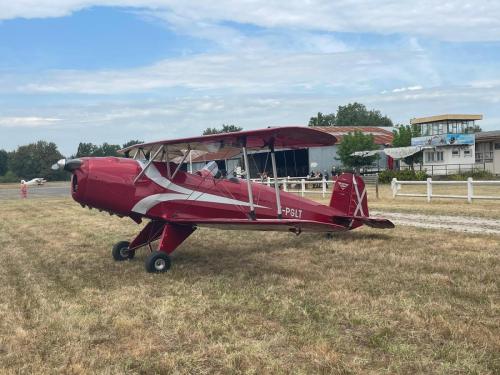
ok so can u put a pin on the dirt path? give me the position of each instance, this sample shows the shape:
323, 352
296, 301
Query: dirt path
454, 223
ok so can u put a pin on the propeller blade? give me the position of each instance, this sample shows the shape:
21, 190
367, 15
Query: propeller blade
67, 164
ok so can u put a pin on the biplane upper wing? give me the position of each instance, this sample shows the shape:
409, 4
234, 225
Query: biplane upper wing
279, 137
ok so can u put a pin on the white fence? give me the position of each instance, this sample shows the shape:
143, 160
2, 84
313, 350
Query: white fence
298, 185
469, 184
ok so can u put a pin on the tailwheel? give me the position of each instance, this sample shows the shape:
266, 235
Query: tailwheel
158, 261
122, 252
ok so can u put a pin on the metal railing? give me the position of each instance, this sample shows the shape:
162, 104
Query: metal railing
470, 183
484, 157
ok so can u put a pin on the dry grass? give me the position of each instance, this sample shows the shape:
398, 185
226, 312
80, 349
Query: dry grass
17, 185
401, 301
438, 206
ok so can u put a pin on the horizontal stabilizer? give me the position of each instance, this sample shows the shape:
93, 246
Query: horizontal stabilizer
375, 222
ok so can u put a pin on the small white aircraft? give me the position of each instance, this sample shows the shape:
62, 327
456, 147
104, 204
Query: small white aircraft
36, 181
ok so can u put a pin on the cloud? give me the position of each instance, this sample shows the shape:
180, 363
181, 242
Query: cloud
28, 122
409, 88
241, 74
458, 20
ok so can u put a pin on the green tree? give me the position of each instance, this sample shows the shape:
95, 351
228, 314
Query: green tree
4, 159
90, 149
402, 138
35, 160
356, 114
225, 129
131, 143
85, 149
322, 120
107, 149
356, 141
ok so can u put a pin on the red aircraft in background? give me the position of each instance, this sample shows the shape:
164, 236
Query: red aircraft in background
150, 184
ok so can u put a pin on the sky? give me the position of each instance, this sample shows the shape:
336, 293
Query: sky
113, 70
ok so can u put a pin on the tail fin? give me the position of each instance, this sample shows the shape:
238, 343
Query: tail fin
349, 196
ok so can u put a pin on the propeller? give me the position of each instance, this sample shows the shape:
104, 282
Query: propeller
67, 164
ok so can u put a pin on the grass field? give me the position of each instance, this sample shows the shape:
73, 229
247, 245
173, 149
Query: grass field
438, 206
401, 301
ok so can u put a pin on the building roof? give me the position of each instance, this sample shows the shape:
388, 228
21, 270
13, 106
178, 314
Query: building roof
426, 120
381, 136
486, 136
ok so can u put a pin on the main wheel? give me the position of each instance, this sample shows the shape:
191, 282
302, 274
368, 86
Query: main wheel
157, 261
122, 252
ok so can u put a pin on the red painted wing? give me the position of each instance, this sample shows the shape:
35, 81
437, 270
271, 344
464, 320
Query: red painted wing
282, 137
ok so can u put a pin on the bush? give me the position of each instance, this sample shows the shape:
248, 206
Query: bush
386, 176
9, 177
476, 175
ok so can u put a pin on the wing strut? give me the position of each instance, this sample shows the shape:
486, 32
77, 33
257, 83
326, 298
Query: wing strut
188, 151
249, 186
276, 184
141, 173
169, 172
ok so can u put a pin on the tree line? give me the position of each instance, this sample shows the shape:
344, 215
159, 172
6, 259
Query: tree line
36, 159
352, 114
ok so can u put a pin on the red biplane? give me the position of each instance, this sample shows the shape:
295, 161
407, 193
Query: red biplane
149, 183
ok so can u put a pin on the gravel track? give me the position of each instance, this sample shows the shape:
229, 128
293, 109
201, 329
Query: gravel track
453, 223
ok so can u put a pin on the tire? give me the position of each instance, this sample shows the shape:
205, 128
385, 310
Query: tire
121, 251
157, 262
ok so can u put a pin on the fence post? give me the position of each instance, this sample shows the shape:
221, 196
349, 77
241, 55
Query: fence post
269, 181
285, 184
429, 189
394, 187
470, 190
376, 186
303, 186
323, 186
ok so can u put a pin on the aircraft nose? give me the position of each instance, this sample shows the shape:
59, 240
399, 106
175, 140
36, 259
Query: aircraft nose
67, 164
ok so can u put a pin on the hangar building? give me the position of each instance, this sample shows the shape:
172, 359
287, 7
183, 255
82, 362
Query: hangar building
298, 162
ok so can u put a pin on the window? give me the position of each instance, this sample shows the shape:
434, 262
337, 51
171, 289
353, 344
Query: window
455, 153
497, 146
467, 152
429, 157
439, 156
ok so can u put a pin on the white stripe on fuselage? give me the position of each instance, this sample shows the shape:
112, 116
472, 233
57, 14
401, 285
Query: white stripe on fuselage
182, 194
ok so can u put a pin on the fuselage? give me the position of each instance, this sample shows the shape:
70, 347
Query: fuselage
108, 184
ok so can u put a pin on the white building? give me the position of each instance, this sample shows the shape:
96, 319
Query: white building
487, 151
448, 143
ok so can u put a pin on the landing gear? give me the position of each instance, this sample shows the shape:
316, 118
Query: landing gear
122, 252
157, 261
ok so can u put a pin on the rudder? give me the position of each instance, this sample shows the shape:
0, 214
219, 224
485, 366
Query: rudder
348, 191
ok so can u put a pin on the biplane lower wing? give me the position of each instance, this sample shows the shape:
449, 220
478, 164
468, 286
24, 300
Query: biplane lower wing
285, 225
